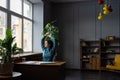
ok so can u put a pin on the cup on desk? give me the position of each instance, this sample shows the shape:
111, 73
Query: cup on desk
23, 59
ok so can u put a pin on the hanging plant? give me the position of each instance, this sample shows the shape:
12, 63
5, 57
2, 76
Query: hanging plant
54, 31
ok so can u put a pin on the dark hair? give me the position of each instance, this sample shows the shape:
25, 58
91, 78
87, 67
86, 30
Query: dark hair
50, 43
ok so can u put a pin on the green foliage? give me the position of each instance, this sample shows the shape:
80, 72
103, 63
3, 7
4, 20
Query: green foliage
52, 29
7, 48
47, 38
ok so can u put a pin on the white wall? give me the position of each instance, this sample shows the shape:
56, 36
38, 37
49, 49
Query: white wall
38, 26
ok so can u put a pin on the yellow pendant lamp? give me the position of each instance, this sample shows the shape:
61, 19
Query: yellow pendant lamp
105, 9
100, 16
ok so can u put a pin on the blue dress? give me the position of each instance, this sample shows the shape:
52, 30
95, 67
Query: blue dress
48, 53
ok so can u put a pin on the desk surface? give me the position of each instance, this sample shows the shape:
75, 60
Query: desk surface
42, 63
14, 75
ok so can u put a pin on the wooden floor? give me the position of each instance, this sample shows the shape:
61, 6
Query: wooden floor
91, 75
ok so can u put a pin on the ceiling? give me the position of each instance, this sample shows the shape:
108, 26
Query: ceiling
39, 1
36, 1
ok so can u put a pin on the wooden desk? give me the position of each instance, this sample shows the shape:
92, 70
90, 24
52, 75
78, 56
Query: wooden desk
36, 70
15, 76
27, 57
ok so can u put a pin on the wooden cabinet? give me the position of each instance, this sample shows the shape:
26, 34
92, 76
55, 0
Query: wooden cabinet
96, 54
28, 57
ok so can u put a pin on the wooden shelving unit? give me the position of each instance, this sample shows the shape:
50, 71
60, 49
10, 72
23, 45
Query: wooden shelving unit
89, 56
96, 54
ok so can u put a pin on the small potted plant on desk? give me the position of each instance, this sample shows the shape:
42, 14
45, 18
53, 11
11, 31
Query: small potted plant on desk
7, 49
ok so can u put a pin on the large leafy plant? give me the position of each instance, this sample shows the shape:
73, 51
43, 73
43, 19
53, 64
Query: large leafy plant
7, 48
54, 31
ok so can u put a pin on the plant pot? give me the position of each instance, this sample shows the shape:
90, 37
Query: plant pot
6, 69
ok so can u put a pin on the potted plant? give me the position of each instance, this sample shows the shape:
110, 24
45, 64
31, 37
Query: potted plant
7, 49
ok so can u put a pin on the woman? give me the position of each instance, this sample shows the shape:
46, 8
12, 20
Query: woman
48, 47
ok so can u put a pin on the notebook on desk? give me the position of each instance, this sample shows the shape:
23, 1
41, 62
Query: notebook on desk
46, 62
39, 62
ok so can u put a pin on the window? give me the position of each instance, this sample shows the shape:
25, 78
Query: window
27, 35
3, 22
19, 20
27, 9
16, 6
3, 3
16, 26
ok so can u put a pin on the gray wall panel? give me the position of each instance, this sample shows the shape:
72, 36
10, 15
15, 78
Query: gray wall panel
68, 35
98, 23
47, 11
87, 22
76, 47
79, 21
110, 24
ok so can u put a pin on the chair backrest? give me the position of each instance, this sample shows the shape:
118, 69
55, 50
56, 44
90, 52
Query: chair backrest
117, 60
